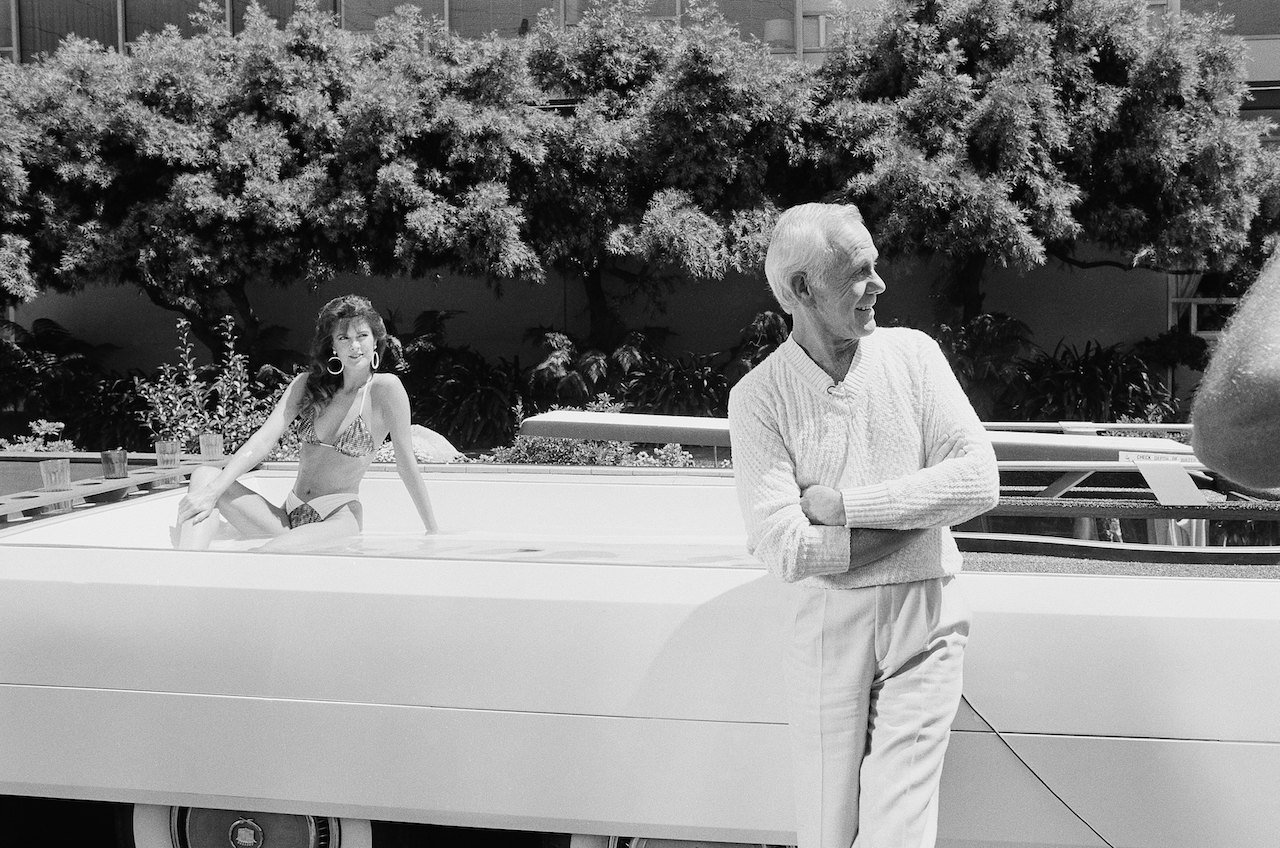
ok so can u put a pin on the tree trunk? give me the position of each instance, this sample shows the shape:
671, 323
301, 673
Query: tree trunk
605, 329
250, 327
206, 316
962, 300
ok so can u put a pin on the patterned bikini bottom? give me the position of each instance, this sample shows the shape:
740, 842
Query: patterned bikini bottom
317, 509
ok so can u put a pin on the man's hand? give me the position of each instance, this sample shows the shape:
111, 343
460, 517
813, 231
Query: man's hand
823, 505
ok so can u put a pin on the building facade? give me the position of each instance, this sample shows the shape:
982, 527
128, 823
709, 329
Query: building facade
29, 27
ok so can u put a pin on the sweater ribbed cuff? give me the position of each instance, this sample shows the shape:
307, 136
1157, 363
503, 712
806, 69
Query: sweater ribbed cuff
824, 550
865, 504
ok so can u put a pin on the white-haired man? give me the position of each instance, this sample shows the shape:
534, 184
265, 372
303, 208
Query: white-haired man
854, 450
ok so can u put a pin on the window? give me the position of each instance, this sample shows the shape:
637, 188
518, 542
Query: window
42, 24
9, 30
1248, 17
660, 10
772, 21
813, 30
154, 15
280, 10
1203, 316
665, 10
360, 15
1200, 303
1157, 9
508, 18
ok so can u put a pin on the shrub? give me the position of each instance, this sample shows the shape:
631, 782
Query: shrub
176, 398
240, 405
1094, 384
987, 354
478, 405
666, 456
182, 401
47, 373
39, 441
543, 450
455, 391
687, 385
107, 415
458, 393
20, 367
1175, 346
566, 378
758, 339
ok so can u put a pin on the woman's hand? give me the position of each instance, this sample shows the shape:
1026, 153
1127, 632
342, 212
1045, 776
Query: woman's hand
823, 505
197, 506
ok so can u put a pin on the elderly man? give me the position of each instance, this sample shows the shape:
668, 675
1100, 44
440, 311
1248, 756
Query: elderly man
854, 450
1237, 407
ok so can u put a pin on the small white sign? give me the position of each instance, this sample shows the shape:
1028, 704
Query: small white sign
1135, 456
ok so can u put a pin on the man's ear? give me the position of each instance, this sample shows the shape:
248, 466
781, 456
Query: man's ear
799, 284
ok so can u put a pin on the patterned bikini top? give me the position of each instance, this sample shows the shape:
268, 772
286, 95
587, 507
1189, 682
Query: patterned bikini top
355, 440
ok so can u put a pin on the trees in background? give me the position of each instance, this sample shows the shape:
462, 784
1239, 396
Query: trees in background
172, 171
624, 152
1014, 131
203, 169
16, 138
670, 161
434, 130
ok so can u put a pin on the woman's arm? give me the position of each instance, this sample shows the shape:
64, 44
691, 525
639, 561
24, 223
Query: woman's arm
199, 505
396, 410
1237, 406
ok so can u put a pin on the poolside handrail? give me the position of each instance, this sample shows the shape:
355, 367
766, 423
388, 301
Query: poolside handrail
1085, 427
714, 432
1074, 456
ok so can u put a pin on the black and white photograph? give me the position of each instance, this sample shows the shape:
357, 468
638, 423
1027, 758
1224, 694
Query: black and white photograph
640, 423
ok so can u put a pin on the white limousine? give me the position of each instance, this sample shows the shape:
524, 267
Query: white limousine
593, 653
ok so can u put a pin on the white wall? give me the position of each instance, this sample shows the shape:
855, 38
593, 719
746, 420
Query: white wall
705, 317
1074, 305
1105, 304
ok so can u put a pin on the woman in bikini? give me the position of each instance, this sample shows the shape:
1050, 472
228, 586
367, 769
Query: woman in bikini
347, 410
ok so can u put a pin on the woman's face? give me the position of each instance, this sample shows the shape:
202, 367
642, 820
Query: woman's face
355, 344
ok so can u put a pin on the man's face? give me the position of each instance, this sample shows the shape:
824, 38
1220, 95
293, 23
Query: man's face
843, 303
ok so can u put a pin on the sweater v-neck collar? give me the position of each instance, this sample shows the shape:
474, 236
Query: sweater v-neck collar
812, 374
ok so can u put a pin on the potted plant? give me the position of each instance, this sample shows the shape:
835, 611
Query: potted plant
176, 403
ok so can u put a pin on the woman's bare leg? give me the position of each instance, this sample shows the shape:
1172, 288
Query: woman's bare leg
343, 524
248, 512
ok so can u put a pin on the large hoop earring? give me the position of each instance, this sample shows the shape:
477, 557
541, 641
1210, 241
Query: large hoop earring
330, 365
375, 360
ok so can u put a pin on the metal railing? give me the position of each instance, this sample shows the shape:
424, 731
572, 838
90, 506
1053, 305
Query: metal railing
693, 430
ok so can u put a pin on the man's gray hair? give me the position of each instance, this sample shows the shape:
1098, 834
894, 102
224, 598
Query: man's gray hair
804, 241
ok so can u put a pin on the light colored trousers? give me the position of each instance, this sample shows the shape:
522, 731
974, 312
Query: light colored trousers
873, 682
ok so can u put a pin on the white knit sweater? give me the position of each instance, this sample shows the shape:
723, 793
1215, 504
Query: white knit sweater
897, 437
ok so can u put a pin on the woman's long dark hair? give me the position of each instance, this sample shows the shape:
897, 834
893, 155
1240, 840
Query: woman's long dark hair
339, 312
